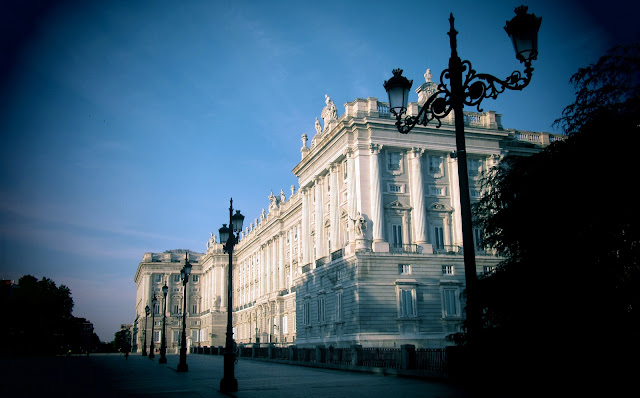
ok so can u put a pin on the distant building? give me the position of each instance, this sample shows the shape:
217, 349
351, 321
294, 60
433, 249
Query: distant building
366, 251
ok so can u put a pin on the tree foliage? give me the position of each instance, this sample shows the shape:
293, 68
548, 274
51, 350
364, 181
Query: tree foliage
40, 319
568, 224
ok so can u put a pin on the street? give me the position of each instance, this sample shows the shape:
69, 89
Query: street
111, 375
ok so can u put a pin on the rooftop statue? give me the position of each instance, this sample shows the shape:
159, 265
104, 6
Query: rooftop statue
426, 89
329, 112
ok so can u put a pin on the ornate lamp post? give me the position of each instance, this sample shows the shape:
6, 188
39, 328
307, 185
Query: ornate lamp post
154, 301
144, 346
184, 275
230, 236
163, 344
466, 88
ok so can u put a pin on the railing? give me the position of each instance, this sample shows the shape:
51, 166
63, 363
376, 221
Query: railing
321, 261
383, 109
431, 360
409, 248
447, 249
380, 357
421, 360
337, 254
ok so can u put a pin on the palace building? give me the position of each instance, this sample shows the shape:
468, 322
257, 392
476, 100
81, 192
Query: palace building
367, 250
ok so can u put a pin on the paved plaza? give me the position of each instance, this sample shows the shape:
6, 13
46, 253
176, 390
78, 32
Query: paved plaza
110, 375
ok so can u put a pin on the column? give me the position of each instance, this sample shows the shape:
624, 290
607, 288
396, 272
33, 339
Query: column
352, 204
274, 263
454, 186
261, 280
305, 234
379, 245
334, 210
281, 273
417, 196
320, 243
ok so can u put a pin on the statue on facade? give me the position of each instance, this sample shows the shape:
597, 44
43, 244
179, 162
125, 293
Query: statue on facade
211, 241
329, 112
263, 214
359, 224
426, 89
273, 202
293, 190
318, 126
282, 197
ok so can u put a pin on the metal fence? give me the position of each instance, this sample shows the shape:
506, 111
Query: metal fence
423, 360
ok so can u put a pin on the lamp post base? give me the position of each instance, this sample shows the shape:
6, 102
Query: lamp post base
162, 359
183, 367
229, 382
152, 355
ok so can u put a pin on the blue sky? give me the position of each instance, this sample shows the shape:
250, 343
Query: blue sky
127, 126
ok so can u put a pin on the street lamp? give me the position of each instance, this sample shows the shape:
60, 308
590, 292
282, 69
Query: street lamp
184, 275
230, 236
154, 301
163, 344
523, 30
144, 346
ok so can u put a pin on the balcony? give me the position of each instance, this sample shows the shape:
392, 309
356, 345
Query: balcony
410, 249
447, 249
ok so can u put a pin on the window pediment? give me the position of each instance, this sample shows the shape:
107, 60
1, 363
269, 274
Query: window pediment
441, 207
397, 205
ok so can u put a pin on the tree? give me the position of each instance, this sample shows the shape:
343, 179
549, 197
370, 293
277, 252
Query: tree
122, 341
39, 319
567, 221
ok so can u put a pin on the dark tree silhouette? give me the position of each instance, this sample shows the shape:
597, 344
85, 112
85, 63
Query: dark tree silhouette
565, 300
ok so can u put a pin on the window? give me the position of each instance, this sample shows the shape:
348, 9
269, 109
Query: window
435, 164
404, 269
396, 188
158, 277
338, 306
339, 274
407, 302
396, 235
475, 166
194, 278
176, 278
437, 191
344, 170
450, 303
156, 336
194, 336
438, 237
448, 270
394, 160
156, 309
321, 311
175, 309
194, 309
488, 269
285, 326
478, 238
305, 313
176, 336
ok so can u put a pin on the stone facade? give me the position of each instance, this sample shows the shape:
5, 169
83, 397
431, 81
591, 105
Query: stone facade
367, 250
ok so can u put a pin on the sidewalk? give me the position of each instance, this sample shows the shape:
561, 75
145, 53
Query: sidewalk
110, 375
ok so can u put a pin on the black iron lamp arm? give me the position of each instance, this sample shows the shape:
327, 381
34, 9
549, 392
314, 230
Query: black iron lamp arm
476, 87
